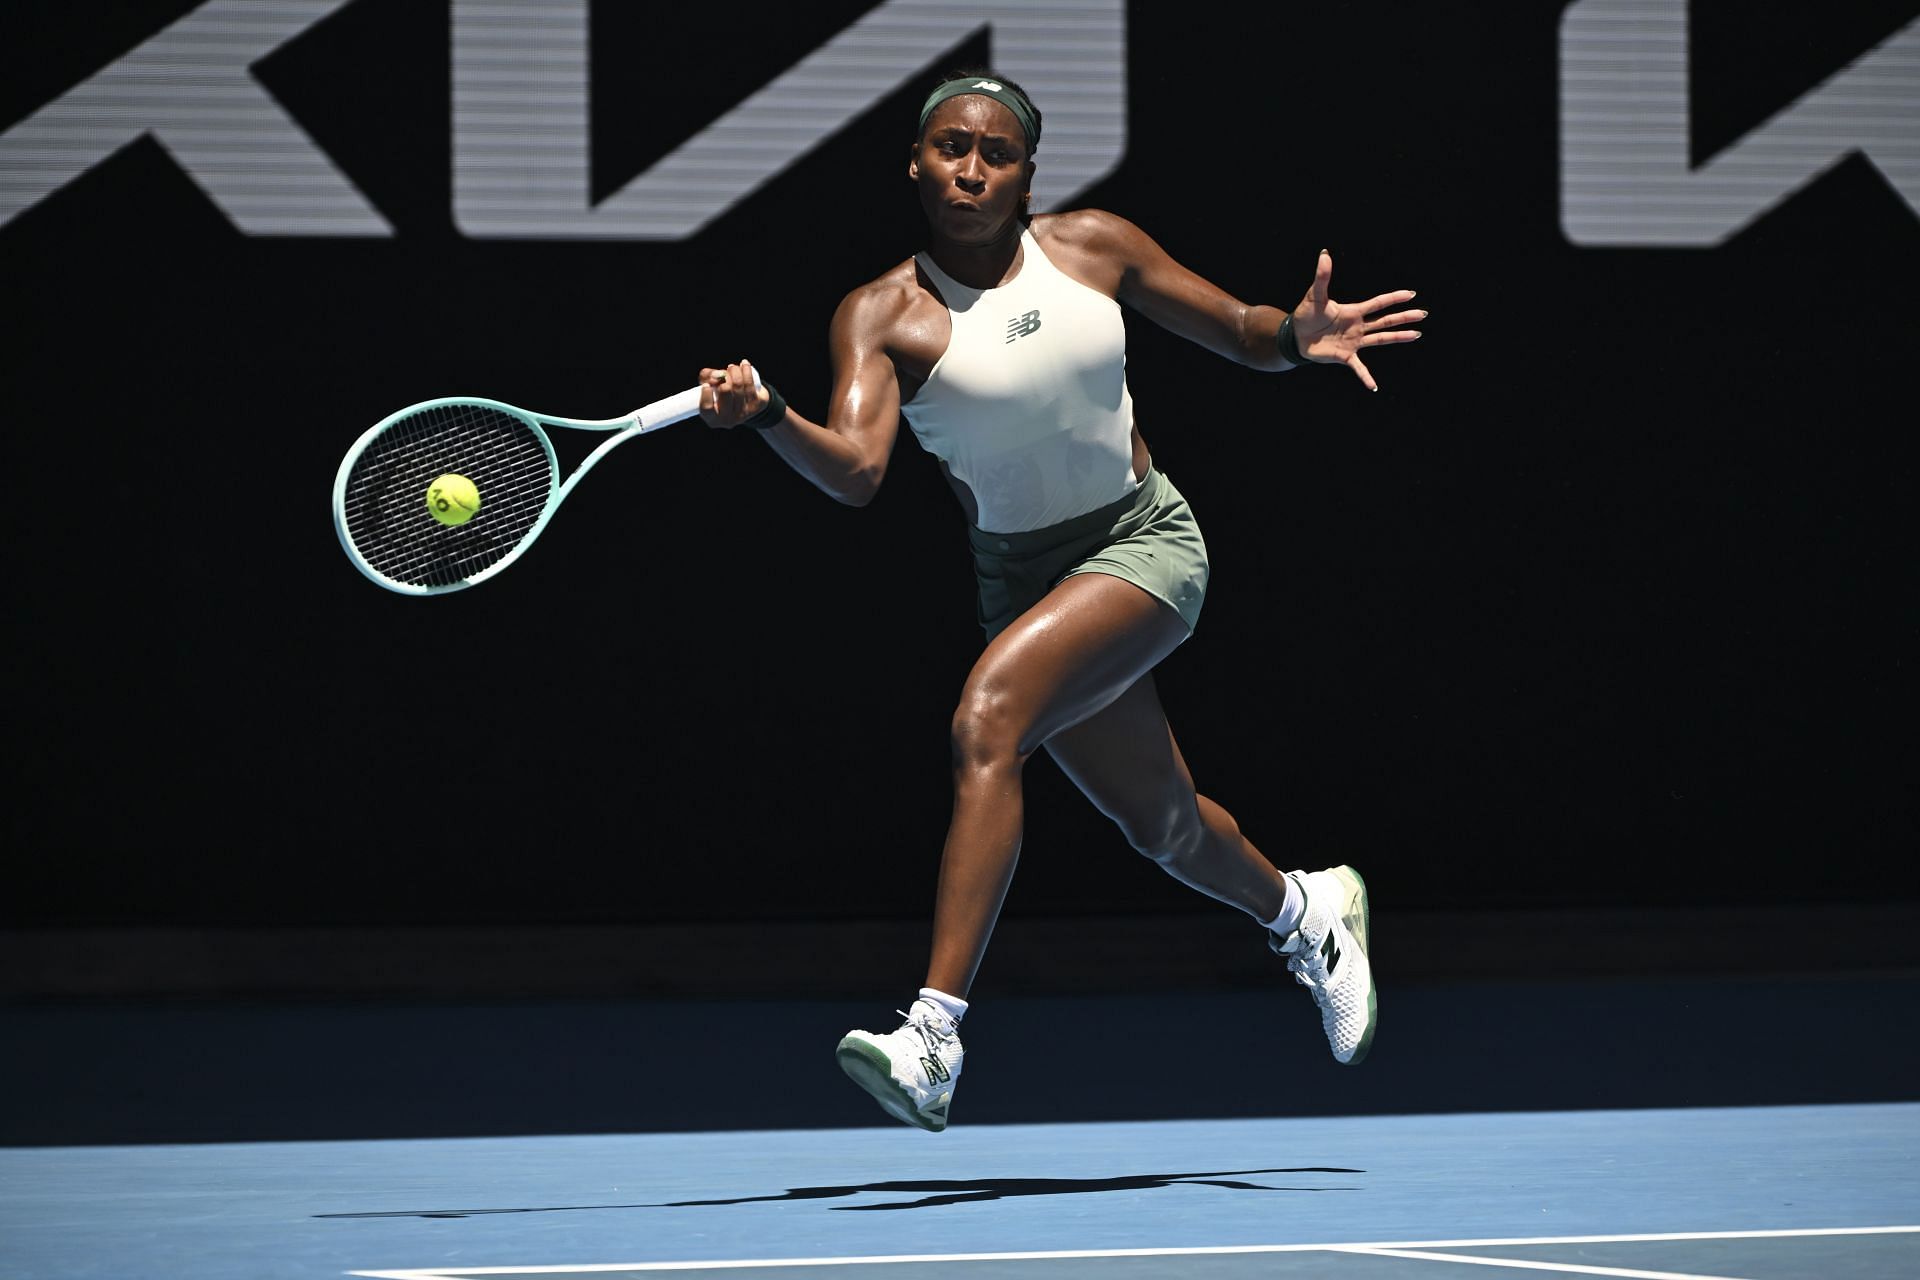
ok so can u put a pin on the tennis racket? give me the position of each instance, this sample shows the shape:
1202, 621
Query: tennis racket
380, 494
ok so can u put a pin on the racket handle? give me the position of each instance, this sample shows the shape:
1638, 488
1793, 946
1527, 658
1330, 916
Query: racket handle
676, 408
673, 409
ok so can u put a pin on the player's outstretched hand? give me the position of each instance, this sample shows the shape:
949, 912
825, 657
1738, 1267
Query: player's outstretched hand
729, 395
1331, 332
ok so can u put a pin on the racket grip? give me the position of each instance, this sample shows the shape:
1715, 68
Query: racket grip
673, 409
676, 408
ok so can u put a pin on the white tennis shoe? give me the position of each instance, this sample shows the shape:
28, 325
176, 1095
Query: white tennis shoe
1328, 956
910, 1072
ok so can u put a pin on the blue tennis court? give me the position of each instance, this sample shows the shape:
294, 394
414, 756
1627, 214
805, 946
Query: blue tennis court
1678, 1126
1748, 1192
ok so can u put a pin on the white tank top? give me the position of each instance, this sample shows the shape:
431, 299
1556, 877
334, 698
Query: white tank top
1029, 405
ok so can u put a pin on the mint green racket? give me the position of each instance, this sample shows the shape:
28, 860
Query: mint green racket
381, 492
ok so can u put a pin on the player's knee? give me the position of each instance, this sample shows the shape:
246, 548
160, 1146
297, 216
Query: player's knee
986, 731
1169, 834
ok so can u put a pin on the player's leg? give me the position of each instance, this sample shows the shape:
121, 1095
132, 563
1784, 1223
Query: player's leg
1066, 659
1126, 761
1083, 645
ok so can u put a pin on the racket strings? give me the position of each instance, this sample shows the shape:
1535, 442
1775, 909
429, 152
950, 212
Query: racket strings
385, 504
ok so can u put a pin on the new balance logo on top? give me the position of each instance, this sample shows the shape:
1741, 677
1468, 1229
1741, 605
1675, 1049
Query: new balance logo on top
936, 1070
1021, 326
1330, 952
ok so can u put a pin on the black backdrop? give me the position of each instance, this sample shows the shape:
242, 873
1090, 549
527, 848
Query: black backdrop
1599, 601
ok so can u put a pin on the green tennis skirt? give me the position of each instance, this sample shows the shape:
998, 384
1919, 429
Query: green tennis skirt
1149, 538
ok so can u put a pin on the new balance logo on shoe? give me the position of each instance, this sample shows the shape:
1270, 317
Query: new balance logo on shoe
1021, 326
1330, 952
936, 1070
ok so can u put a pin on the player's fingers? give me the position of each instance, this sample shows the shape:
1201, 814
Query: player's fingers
1322, 277
713, 390
1398, 317
710, 410
1393, 299
1359, 367
1398, 335
750, 387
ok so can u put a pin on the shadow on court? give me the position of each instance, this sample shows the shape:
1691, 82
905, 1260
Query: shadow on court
946, 1191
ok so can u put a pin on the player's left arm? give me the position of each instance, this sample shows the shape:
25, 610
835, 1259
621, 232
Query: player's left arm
1183, 302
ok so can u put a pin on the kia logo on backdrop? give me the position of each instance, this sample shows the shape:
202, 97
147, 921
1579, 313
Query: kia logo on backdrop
521, 134
522, 140
1625, 131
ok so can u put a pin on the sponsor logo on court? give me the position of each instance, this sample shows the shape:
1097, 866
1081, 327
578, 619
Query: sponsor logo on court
1021, 326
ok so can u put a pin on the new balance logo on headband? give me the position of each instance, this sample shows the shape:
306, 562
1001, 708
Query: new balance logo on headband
988, 84
1021, 326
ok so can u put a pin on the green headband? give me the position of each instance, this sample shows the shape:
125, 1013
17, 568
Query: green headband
1010, 98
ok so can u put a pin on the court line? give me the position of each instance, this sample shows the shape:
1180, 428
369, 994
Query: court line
1564, 1268
614, 1268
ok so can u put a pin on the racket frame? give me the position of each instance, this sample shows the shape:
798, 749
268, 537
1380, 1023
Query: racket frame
661, 413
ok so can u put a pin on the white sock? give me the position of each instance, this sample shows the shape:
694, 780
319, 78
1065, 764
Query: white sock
953, 1006
1290, 911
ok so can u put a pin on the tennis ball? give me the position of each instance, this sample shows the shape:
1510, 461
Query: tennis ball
452, 499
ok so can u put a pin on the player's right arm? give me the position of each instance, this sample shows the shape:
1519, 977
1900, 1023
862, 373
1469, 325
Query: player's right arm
846, 457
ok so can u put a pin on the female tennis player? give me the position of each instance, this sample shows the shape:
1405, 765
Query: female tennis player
1003, 346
